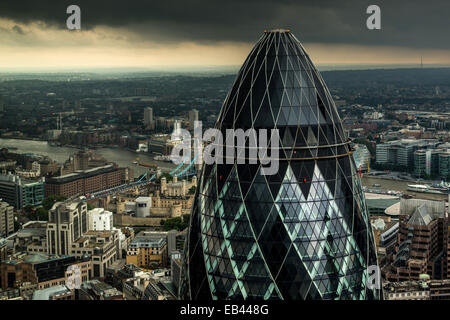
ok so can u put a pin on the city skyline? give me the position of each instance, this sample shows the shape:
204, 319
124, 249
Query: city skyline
225, 150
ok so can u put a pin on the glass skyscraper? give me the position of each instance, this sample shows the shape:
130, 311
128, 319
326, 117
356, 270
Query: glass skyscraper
303, 233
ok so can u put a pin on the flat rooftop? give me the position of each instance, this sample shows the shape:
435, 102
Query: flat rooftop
81, 174
144, 242
46, 294
369, 195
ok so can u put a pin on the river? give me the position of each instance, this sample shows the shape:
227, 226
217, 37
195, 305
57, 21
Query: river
387, 184
122, 157
125, 158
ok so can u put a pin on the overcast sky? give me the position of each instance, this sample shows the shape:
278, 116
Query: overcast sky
162, 33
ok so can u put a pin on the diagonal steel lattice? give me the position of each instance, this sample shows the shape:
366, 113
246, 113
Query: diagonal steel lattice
303, 233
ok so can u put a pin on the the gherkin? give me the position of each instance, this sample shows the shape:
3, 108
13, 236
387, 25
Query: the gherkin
303, 233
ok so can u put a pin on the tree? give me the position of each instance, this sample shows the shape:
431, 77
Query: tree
177, 223
41, 214
50, 201
192, 189
164, 175
28, 210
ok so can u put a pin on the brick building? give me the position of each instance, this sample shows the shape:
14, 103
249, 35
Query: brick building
86, 181
422, 243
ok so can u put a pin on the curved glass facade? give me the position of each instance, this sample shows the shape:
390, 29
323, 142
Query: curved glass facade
303, 233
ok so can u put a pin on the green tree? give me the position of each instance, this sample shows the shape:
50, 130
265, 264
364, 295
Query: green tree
50, 201
192, 189
164, 175
28, 210
40, 214
177, 223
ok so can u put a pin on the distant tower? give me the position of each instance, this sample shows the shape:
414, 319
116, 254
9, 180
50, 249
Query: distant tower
59, 122
1, 104
437, 91
163, 185
148, 118
193, 116
421, 62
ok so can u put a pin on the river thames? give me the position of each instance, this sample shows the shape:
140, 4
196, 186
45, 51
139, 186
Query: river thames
125, 158
122, 157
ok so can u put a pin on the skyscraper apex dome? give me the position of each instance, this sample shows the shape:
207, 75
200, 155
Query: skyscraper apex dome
302, 233
277, 30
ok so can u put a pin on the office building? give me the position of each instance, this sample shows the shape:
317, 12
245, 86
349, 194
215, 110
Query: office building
67, 222
193, 116
147, 252
3, 250
422, 163
401, 152
85, 182
42, 271
421, 246
149, 123
6, 219
174, 239
100, 220
20, 193
426, 162
302, 233
175, 268
362, 156
102, 247
444, 166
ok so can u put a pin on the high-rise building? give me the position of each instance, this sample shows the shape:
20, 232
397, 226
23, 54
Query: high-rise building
193, 116
421, 246
302, 233
67, 222
20, 193
422, 163
2, 104
444, 166
148, 118
361, 154
6, 219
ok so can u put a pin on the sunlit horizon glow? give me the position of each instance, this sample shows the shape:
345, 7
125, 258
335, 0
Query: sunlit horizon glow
38, 46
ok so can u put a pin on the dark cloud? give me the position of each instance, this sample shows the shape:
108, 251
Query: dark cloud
18, 30
410, 23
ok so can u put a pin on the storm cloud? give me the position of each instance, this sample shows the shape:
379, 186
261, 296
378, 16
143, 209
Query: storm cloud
405, 23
